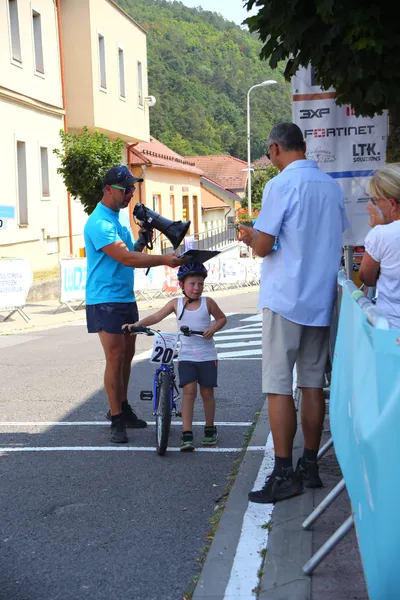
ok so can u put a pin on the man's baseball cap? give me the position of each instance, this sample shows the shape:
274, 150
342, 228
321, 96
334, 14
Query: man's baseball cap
120, 175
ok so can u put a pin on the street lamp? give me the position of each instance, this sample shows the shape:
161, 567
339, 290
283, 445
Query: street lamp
268, 82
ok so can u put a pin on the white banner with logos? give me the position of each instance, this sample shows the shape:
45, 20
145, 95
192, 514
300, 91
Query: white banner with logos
347, 147
15, 281
73, 280
162, 279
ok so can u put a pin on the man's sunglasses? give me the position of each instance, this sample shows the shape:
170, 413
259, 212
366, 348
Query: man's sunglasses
267, 154
127, 190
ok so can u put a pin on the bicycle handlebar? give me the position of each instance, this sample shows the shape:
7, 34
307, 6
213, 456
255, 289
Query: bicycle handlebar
139, 329
188, 332
147, 331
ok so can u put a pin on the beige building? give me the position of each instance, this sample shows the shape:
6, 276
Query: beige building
105, 63
171, 184
95, 65
31, 116
175, 188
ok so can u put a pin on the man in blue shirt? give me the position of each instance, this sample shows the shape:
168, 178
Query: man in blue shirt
304, 208
110, 300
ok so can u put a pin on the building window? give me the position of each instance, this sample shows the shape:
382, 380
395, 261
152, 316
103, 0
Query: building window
44, 170
102, 62
140, 82
121, 66
22, 184
37, 40
14, 30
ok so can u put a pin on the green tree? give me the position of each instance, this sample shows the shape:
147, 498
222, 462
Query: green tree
85, 158
200, 67
353, 46
259, 179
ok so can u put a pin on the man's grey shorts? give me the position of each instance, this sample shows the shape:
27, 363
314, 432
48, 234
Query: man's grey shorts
285, 344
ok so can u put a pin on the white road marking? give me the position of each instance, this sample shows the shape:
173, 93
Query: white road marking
257, 317
120, 449
241, 344
253, 538
83, 423
240, 353
219, 338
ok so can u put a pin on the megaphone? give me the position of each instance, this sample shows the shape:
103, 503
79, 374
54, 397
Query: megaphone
175, 231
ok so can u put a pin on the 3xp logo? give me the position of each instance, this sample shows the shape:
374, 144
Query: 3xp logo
365, 153
310, 113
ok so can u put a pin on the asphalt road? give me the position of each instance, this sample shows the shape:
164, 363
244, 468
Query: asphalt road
111, 523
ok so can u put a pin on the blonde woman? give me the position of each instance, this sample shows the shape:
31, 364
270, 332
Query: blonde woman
380, 265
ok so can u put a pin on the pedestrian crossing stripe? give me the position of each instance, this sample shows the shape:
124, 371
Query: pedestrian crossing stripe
241, 343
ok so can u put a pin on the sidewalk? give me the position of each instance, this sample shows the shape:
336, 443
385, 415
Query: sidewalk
43, 314
338, 577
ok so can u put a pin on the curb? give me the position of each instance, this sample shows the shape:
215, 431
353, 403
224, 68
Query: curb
217, 568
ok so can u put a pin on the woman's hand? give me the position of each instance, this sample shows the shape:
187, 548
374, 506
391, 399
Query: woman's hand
375, 217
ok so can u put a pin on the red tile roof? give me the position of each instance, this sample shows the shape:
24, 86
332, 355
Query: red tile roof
261, 163
209, 201
157, 154
224, 169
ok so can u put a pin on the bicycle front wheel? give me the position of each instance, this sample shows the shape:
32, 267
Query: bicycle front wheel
163, 411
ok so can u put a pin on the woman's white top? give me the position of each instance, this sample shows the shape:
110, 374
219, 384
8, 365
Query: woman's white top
383, 245
195, 348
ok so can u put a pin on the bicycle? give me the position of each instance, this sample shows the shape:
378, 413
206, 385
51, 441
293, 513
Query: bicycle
165, 394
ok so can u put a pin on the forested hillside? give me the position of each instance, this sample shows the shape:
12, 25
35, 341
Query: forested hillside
200, 67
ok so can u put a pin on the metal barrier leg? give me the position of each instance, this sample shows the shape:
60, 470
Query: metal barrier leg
328, 546
322, 506
325, 448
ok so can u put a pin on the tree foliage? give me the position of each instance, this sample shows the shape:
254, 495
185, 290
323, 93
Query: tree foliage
200, 67
259, 178
85, 158
353, 46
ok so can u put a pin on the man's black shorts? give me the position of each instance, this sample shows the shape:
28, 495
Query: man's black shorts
205, 373
110, 316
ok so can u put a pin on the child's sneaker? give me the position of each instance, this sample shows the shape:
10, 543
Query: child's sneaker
210, 436
187, 441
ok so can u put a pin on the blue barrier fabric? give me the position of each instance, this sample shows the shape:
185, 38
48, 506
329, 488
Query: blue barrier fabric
365, 426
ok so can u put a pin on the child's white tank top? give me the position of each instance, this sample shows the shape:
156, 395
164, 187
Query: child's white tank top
195, 348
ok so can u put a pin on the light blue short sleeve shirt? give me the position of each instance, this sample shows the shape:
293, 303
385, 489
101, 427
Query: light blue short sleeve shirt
107, 279
304, 207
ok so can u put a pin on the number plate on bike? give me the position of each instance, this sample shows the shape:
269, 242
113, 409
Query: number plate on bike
164, 348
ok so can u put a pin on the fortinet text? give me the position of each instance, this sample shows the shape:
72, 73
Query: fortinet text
339, 131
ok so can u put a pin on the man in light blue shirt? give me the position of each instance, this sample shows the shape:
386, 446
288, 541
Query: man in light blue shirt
110, 300
304, 208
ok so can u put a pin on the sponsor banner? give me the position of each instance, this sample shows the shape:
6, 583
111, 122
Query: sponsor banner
171, 283
212, 266
73, 273
347, 147
188, 243
15, 281
364, 415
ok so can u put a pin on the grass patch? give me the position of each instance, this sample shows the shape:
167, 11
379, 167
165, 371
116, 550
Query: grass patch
219, 509
263, 553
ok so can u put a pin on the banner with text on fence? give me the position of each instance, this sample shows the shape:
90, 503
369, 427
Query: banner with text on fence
365, 416
15, 281
73, 279
347, 147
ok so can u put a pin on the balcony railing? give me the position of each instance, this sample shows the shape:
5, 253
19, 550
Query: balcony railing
206, 240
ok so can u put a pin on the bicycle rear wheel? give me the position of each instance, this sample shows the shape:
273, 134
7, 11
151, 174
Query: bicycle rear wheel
163, 411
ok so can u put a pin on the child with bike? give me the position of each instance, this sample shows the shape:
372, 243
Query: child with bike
198, 356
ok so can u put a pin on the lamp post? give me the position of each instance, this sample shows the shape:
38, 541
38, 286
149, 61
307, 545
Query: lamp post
268, 82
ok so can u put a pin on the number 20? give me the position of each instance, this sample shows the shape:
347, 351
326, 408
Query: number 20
161, 355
